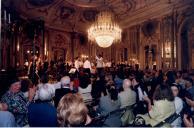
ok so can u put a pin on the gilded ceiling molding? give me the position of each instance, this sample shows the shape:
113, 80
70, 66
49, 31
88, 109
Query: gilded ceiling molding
66, 14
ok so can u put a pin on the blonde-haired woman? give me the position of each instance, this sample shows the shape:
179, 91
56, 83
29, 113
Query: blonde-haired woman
72, 112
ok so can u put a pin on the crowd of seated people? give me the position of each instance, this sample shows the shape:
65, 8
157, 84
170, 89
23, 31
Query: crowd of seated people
120, 96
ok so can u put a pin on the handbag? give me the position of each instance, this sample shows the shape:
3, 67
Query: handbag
139, 122
127, 117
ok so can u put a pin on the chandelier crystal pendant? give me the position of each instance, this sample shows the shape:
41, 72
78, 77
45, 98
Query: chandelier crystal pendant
105, 30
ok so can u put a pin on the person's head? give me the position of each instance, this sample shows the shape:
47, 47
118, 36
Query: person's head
108, 78
72, 111
189, 82
3, 107
44, 78
65, 81
113, 93
163, 92
84, 81
131, 75
126, 84
154, 72
15, 87
136, 66
135, 82
175, 89
26, 84
46, 92
99, 55
58, 77
179, 74
170, 77
185, 73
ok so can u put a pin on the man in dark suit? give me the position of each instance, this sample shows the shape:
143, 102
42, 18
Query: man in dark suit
65, 89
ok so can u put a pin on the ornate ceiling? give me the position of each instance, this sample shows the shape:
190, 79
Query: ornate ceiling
77, 15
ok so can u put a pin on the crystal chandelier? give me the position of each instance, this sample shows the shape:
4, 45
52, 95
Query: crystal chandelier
104, 31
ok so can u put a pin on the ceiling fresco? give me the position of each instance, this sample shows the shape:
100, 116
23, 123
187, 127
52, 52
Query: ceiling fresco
78, 15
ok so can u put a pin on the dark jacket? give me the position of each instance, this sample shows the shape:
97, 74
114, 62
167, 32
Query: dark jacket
59, 93
42, 114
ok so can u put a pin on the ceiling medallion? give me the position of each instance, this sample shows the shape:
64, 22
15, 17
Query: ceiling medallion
149, 28
105, 30
66, 12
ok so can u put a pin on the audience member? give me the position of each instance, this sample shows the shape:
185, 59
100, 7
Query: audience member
72, 112
43, 109
7, 119
178, 104
163, 106
57, 85
26, 84
98, 87
180, 79
109, 103
127, 98
65, 89
189, 86
170, 77
85, 88
44, 80
17, 103
139, 88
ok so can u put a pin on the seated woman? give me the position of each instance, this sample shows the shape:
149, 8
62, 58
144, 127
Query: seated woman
72, 112
178, 104
85, 88
110, 103
163, 106
43, 113
17, 103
